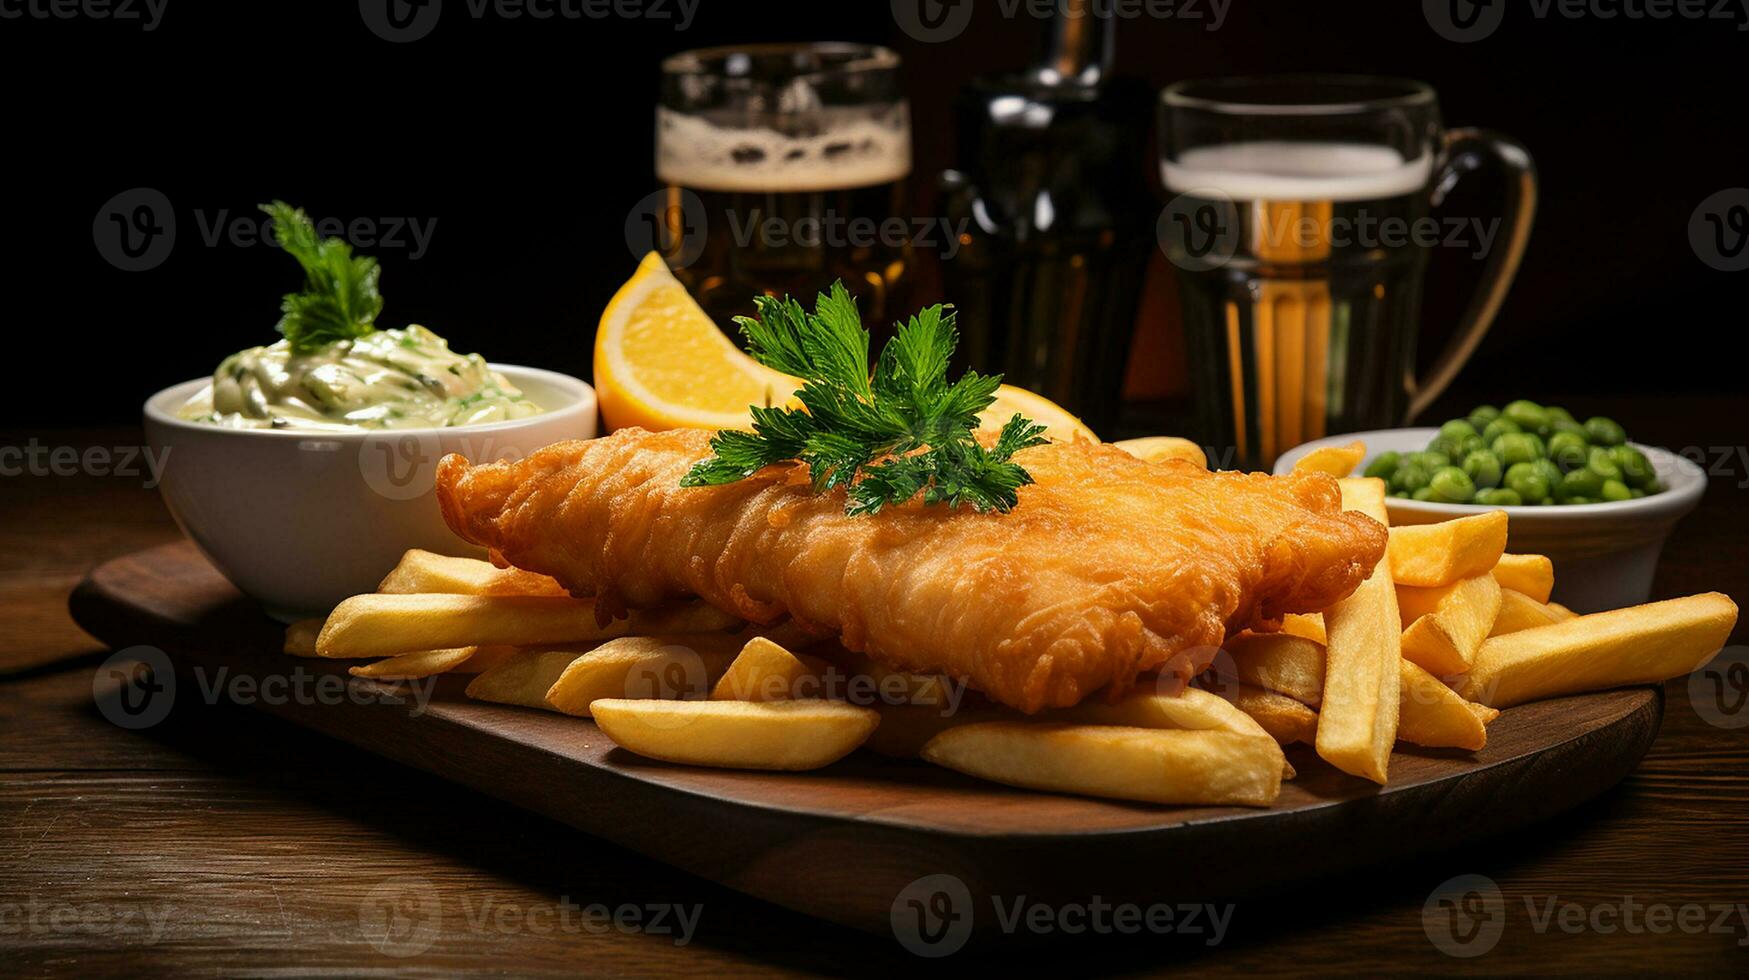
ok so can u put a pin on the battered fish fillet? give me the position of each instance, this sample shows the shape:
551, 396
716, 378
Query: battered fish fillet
1110, 566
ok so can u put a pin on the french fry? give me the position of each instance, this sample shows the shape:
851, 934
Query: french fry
1520, 612
524, 677
906, 728
1431, 555
428, 663
1192, 709
783, 735
656, 667
1207, 767
420, 663
1279, 662
1282, 718
1638, 645
765, 671
1308, 625
1158, 449
1533, 575
386, 625
1357, 717
300, 637
1429, 713
425, 571
1338, 461
1445, 638
1562, 611
1433, 715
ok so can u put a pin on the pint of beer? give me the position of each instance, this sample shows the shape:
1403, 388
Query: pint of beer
793, 158
1301, 223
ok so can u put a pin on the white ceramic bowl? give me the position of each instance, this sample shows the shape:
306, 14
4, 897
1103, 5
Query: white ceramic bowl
1604, 553
301, 520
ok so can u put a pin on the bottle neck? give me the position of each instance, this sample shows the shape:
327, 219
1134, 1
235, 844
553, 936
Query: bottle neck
1079, 48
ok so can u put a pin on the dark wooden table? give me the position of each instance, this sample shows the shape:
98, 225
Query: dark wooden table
224, 842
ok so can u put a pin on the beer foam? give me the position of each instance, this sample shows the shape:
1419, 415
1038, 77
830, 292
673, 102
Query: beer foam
856, 150
1285, 171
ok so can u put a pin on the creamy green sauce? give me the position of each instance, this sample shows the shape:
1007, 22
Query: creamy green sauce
387, 379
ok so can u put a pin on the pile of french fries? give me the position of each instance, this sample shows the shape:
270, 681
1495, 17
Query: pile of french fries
1448, 630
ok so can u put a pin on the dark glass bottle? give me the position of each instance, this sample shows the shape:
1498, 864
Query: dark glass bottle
1059, 221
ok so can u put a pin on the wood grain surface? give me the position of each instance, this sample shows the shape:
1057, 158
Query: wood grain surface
225, 841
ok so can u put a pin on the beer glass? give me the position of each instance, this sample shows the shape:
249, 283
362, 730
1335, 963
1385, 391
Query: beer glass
793, 158
1303, 213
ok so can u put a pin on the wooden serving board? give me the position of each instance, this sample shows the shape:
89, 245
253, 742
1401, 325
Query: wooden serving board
843, 843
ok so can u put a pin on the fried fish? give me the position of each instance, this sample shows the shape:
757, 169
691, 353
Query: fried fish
1109, 567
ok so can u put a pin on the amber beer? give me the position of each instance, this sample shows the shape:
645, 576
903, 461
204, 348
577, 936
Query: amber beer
795, 158
1319, 193
1311, 306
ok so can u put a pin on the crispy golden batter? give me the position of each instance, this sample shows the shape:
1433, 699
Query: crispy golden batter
1109, 567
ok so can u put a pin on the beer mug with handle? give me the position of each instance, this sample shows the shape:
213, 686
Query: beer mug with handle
1303, 211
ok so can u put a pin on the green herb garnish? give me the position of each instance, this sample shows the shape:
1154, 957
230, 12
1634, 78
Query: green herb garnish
885, 438
339, 300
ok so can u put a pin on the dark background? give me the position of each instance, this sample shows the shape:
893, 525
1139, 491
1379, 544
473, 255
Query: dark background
528, 141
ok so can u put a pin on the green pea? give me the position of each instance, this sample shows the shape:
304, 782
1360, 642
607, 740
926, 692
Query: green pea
1457, 429
1550, 472
1451, 485
1483, 468
1518, 447
1558, 415
1579, 500
1425, 493
1602, 462
1616, 490
1403, 494
1384, 464
1569, 450
1499, 427
1410, 477
1636, 493
1481, 415
1527, 415
1499, 497
1579, 483
1605, 432
1636, 469
1528, 482
1565, 425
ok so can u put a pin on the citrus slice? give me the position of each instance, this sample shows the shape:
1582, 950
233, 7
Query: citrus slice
662, 363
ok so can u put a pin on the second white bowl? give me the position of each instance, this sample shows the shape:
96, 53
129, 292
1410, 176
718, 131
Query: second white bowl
1604, 553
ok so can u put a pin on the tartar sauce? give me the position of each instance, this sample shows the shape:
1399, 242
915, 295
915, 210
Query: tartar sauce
387, 379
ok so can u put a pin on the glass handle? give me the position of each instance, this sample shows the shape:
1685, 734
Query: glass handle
1465, 152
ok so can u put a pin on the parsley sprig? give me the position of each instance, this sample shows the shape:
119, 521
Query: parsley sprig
885, 435
339, 300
